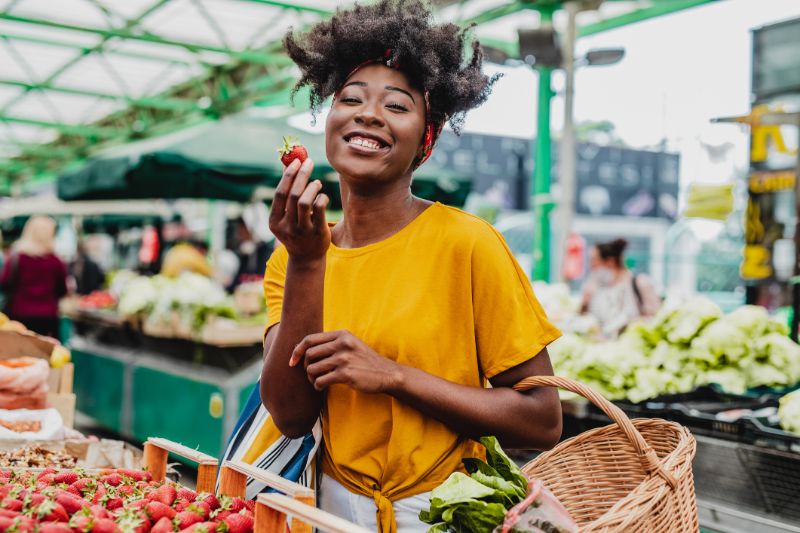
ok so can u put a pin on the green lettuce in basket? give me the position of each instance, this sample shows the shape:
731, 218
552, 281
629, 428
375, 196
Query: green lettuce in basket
477, 503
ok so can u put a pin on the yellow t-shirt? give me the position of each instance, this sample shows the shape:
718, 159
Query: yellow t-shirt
444, 295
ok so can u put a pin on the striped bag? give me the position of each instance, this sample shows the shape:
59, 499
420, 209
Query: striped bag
257, 441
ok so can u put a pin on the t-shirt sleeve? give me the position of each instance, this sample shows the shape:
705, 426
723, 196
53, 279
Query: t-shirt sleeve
274, 281
510, 324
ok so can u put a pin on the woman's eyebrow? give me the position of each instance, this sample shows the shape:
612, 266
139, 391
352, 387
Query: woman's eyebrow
398, 89
388, 88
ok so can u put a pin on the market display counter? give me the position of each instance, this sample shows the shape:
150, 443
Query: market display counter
138, 393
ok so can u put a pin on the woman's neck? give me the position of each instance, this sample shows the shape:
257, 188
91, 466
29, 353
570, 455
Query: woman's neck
375, 213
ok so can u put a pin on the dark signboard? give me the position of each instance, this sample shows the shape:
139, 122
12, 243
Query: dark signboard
776, 63
610, 180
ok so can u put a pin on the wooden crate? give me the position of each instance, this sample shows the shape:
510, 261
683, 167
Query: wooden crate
272, 510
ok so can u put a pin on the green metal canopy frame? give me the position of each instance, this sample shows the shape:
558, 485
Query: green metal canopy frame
85, 75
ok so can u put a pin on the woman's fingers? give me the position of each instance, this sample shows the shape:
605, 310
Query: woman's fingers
305, 204
282, 191
318, 214
320, 368
299, 185
311, 340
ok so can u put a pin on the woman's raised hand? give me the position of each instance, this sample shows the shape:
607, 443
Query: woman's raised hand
297, 217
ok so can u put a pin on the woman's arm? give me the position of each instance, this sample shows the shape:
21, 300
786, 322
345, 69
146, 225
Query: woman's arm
520, 420
651, 302
297, 219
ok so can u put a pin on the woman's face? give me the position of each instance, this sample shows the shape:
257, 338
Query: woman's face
375, 126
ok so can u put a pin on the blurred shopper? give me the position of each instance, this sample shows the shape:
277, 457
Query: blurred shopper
614, 295
252, 254
88, 275
185, 257
34, 278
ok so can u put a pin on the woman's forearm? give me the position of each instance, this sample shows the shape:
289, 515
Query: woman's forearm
530, 420
286, 391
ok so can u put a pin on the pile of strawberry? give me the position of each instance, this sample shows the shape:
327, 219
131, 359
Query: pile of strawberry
113, 501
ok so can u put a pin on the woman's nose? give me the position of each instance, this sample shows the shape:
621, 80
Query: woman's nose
369, 117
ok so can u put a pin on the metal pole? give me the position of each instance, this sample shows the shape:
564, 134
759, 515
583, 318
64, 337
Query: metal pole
542, 203
567, 152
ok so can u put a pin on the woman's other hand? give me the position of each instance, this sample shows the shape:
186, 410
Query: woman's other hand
297, 217
340, 357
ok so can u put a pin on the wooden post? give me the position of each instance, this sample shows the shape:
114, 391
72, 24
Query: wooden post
155, 461
232, 482
268, 520
269, 523
206, 477
156, 452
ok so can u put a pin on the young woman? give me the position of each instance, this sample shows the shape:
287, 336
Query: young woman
389, 324
613, 294
34, 278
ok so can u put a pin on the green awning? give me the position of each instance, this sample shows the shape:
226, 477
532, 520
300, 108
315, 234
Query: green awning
233, 159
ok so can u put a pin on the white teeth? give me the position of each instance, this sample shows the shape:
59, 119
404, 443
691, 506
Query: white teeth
367, 143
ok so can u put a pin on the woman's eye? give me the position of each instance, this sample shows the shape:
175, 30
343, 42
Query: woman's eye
399, 107
350, 100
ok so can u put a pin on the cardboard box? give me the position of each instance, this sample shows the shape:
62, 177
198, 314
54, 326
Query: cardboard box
60, 380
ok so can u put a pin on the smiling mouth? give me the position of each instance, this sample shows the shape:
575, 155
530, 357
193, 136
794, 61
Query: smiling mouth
365, 142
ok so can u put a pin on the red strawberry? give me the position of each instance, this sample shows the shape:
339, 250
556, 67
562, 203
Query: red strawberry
165, 494
133, 522
210, 499
12, 504
202, 508
69, 477
158, 510
185, 519
136, 475
114, 503
202, 527
221, 514
291, 150
50, 511
114, 479
181, 504
6, 523
163, 526
98, 511
250, 505
70, 502
54, 527
35, 499
81, 523
99, 495
237, 504
24, 524
8, 513
187, 494
83, 485
239, 523
137, 504
46, 480
104, 525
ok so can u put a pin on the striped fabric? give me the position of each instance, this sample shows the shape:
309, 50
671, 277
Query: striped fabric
257, 441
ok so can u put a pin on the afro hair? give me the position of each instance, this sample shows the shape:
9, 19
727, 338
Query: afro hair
430, 55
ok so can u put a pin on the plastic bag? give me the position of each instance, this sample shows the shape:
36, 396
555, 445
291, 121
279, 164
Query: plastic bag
49, 422
539, 512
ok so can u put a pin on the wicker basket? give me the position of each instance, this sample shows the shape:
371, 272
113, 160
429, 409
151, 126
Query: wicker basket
631, 476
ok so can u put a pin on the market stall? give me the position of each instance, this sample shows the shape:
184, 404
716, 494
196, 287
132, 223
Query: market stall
728, 378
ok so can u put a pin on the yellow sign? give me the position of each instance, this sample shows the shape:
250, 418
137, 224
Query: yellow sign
756, 263
764, 135
761, 182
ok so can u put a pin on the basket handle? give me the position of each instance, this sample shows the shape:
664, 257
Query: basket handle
646, 454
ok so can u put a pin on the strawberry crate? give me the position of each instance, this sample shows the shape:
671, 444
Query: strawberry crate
293, 510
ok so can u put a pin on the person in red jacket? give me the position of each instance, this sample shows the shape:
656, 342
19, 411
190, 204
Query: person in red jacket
34, 278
